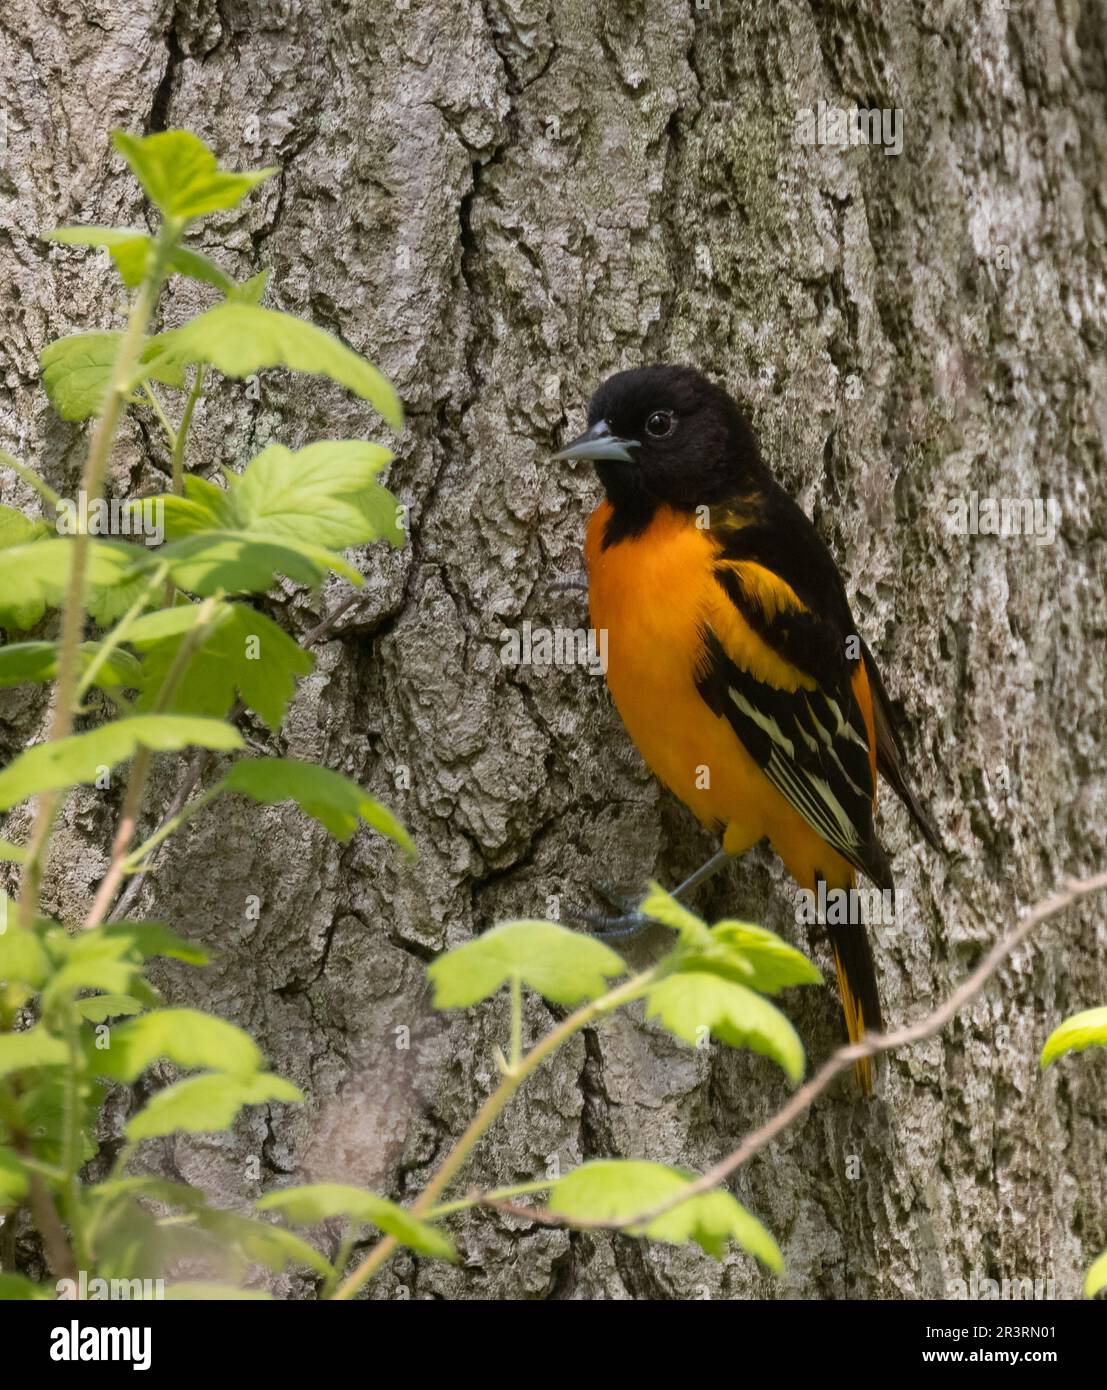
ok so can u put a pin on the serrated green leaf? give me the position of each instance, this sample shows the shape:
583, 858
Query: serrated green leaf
172, 1194
98, 1008
563, 966
250, 291
79, 759
131, 249
15, 1288
664, 908
239, 339
34, 577
688, 1002
752, 956
242, 653
22, 957
213, 562
618, 1190
180, 175
325, 494
89, 961
315, 1202
208, 1103
34, 1048
190, 1039
262, 1243
22, 662
1082, 1030
1096, 1278
17, 529
146, 939
334, 801
76, 371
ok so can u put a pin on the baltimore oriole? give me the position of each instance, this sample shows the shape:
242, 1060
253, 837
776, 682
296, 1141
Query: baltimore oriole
732, 655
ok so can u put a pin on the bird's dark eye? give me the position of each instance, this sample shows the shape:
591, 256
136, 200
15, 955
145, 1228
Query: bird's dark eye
660, 423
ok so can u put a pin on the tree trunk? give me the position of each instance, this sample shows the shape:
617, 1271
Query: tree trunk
500, 203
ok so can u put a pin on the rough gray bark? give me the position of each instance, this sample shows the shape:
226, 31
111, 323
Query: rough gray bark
500, 203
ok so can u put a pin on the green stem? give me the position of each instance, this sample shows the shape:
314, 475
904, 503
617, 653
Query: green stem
133, 864
159, 410
499, 1194
118, 633
31, 478
490, 1111
341, 1259
140, 771
73, 612
181, 438
516, 1022
71, 1142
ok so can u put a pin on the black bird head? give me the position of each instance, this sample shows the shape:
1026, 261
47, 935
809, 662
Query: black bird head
666, 436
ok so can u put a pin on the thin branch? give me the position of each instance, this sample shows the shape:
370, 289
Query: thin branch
140, 772
874, 1044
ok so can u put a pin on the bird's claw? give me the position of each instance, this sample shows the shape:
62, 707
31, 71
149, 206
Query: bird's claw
610, 926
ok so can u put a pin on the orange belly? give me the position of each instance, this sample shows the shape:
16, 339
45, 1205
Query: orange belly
652, 594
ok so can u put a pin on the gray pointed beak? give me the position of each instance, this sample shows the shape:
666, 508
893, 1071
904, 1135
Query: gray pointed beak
599, 443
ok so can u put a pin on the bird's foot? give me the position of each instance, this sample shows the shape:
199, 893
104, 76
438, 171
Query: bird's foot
621, 920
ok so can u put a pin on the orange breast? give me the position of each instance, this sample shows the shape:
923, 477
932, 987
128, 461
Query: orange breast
652, 594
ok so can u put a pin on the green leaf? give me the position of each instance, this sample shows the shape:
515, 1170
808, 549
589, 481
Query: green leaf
688, 1002
14, 1288
315, 1202
563, 966
324, 494
22, 957
1082, 1030
205, 1291
131, 250
172, 1194
146, 939
76, 371
34, 1048
239, 339
38, 661
205, 1104
333, 800
17, 529
89, 961
34, 577
13, 1179
262, 1243
1096, 1278
98, 1008
752, 956
128, 247
242, 653
191, 1039
180, 176
664, 908
213, 562
80, 758
250, 291
617, 1190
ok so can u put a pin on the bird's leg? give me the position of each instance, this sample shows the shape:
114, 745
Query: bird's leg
627, 920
